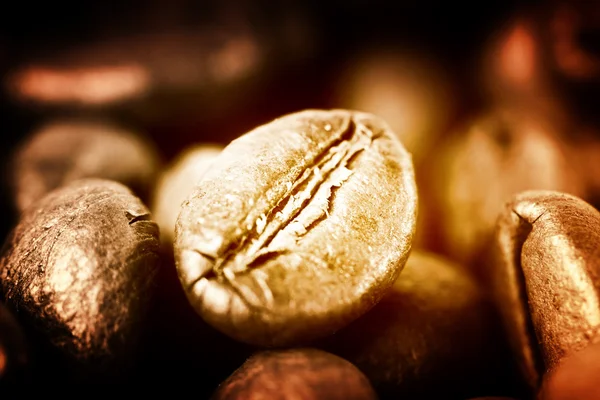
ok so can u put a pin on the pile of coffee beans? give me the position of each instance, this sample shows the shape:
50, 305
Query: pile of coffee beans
184, 210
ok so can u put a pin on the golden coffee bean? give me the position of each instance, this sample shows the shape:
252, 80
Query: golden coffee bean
296, 374
545, 277
64, 151
299, 227
176, 183
434, 333
78, 269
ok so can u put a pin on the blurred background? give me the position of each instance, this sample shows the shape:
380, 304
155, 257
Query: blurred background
182, 72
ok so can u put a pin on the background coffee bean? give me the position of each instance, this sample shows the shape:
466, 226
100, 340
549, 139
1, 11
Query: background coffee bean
545, 277
156, 72
77, 271
283, 240
302, 373
63, 151
408, 90
502, 153
433, 318
176, 183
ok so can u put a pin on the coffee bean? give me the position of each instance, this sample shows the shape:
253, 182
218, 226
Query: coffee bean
63, 151
545, 278
434, 318
501, 153
299, 227
302, 373
77, 269
176, 183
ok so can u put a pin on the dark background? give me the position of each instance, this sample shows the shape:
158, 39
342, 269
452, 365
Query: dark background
454, 31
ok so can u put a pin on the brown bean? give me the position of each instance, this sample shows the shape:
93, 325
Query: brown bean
77, 271
63, 151
546, 277
433, 334
302, 373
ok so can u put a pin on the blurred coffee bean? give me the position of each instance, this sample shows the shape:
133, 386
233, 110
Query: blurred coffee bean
77, 271
584, 155
302, 373
574, 31
576, 377
433, 334
14, 351
545, 278
410, 91
513, 69
63, 151
176, 183
500, 153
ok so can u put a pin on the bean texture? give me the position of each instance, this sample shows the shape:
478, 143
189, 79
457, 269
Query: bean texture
77, 269
299, 227
545, 278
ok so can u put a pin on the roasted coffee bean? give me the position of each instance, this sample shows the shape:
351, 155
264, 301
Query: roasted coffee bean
576, 377
77, 270
502, 153
64, 151
176, 183
299, 227
302, 373
432, 320
14, 351
545, 277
